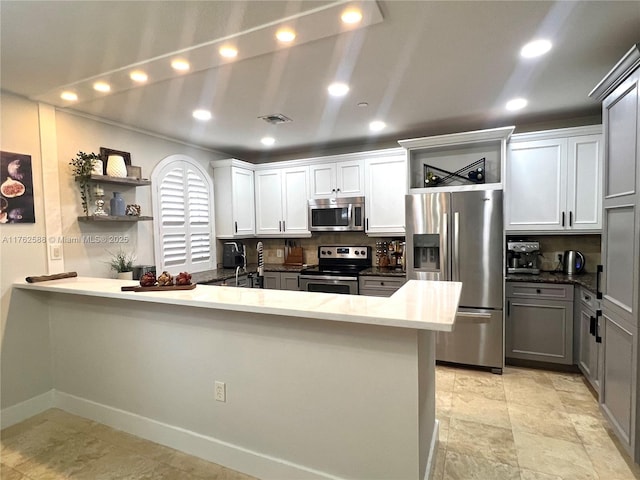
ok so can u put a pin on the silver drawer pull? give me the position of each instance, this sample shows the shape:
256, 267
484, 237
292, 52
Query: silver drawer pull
473, 315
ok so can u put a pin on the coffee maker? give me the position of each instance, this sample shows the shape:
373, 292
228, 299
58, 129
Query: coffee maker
522, 257
234, 255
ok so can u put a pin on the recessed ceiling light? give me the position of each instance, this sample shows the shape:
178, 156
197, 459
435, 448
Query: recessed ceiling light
102, 87
535, 48
351, 16
338, 89
268, 141
516, 104
228, 51
363, 104
377, 125
180, 65
285, 35
202, 114
69, 96
138, 76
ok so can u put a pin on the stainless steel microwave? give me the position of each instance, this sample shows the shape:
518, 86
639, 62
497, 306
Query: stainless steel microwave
336, 214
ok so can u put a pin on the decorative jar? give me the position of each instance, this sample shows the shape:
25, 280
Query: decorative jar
117, 205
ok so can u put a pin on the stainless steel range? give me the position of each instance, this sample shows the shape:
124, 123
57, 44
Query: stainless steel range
337, 270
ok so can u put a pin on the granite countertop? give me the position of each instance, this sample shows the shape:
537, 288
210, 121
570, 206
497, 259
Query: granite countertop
383, 272
220, 274
586, 280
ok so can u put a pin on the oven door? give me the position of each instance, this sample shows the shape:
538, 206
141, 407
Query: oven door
329, 284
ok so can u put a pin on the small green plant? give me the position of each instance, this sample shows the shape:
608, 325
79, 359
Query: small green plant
81, 168
121, 261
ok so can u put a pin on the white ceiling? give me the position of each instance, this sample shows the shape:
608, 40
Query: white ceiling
424, 67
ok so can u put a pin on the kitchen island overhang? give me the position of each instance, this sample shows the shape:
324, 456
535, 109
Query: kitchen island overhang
323, 386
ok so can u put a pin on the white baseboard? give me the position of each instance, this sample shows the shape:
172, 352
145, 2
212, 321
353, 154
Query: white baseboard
433, 451
208, 448
23, 410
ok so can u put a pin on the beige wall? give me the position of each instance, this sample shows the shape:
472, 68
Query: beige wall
25, 350
52, 138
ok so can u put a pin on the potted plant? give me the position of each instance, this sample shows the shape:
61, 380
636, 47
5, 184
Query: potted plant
122, 263
81, 168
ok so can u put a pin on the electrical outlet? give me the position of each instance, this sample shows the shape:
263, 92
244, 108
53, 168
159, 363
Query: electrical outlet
221, 392
279, 252
559, 256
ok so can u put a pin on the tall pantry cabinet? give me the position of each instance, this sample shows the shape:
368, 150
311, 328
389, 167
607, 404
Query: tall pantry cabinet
619, 282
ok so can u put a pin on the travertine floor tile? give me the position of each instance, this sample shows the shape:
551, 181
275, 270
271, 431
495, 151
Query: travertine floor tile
484, 384
62, 461
531, 394
477, 408
130, 442
556, 457
568, 382
466, 467
438, 468
8, 473
531, 475
575, 402
592, 429
550, 423
443, 403
444, 379
609, 464
33, 442
443, 429
68, 419
117, 463
480, 440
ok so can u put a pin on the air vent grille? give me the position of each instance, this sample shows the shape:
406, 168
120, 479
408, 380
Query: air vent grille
276, 118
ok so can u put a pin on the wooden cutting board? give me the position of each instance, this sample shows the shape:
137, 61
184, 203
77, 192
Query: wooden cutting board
138, 288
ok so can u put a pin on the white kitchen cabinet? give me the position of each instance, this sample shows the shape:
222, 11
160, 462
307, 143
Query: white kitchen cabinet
281, 202
234, 199
385, 189
337, 179
554, 181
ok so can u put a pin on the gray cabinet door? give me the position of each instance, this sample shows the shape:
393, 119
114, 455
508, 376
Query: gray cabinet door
271, 280
589, 348
289, 281
539, 330
618, 383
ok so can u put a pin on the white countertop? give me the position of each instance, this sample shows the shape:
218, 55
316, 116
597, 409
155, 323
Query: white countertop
419, 304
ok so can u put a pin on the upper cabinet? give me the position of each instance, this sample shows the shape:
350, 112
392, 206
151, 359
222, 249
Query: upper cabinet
385, 189
459, 161
554, 181
281, 196
337, 179
234, 199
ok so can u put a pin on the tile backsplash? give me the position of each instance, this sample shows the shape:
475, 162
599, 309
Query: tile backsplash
309, 246
551, 245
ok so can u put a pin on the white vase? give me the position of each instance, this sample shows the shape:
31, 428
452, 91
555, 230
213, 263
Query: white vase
116, 166
97, 168
125, 275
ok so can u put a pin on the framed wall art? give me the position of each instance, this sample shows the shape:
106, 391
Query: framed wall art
16, 188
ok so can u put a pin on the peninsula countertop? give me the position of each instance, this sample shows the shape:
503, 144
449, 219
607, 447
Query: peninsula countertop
422, 305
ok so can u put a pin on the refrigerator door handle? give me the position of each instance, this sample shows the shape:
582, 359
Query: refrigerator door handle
468, 317
444, 248
455, 261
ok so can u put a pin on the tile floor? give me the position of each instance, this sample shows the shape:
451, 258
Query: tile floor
524, 425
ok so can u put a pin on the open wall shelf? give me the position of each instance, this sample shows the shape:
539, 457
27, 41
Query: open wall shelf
109, 218
131, 182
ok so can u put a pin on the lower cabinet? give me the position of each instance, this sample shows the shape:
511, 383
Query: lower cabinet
539, 322
589, 334
281, 280
379, 286
618, 381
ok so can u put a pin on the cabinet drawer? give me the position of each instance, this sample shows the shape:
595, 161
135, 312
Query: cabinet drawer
588, 299
381, 283
548, 291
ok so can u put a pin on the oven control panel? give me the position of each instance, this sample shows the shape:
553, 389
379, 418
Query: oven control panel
344, 252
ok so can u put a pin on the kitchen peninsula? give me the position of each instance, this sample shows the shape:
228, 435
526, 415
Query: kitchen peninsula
314, 385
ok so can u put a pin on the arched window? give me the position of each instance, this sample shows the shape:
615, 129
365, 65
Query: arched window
183, 208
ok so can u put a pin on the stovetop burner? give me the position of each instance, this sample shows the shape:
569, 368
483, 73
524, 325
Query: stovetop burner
340, 260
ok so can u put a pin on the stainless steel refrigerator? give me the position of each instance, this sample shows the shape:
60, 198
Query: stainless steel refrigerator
458, 236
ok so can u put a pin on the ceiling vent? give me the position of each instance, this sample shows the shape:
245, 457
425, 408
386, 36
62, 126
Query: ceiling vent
276, 118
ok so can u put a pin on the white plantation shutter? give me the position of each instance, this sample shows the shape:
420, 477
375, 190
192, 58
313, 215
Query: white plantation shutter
183, 206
